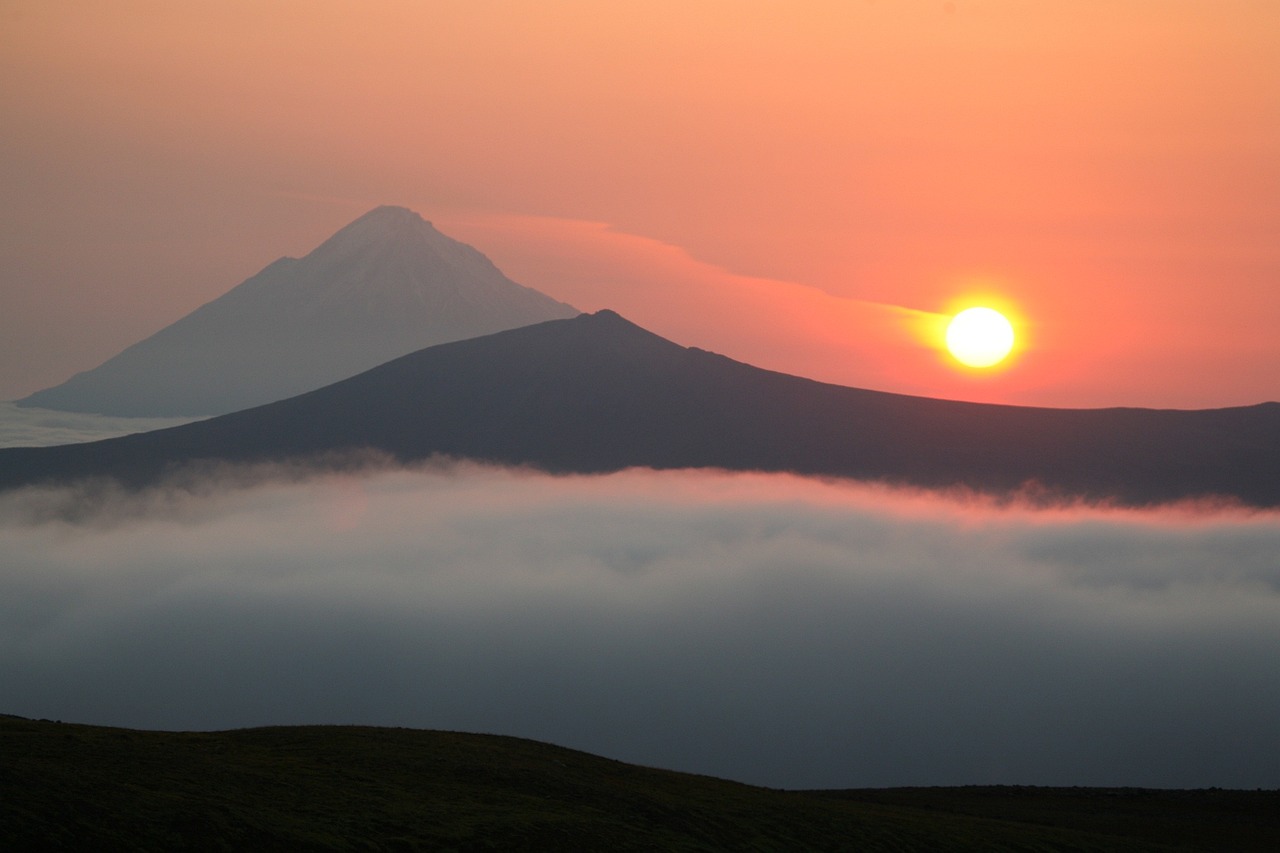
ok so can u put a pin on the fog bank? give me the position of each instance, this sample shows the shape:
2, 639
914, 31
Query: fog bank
765, 628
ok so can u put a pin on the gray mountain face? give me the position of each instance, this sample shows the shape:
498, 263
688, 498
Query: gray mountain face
386, 285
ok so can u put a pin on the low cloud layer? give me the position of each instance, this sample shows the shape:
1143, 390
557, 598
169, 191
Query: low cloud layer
771, 629
36, 427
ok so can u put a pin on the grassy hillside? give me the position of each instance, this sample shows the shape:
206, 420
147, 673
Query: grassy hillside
73, 787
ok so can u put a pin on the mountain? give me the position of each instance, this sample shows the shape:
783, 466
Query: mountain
597, 393
385, 285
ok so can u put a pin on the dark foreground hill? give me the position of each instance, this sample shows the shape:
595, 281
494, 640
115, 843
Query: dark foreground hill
597, 393
73, 787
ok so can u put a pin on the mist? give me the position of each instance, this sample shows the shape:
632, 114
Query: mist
771, 629
22, 426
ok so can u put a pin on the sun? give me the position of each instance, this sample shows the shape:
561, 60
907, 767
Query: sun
979, 337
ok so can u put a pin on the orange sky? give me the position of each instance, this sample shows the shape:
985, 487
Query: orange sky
804, 186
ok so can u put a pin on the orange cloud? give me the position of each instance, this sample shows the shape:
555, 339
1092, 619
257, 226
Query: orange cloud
775, 324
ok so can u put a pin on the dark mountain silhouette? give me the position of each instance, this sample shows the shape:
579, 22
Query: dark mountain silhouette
597, 393
385, 285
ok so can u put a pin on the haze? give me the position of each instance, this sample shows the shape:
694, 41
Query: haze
809, 189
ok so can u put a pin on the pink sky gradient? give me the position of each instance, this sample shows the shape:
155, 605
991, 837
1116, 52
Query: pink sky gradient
806, 187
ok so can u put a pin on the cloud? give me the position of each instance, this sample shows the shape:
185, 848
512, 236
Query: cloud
776, 324
766, 628
36, 427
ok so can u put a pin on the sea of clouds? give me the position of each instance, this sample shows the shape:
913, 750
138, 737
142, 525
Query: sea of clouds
22, 426
766, 628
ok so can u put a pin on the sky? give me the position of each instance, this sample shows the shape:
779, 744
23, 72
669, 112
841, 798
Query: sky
771, 629
810, 187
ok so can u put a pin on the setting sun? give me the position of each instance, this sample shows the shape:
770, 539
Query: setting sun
979, 337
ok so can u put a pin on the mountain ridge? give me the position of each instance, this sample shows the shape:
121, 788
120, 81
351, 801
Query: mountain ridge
386, 284
597, 393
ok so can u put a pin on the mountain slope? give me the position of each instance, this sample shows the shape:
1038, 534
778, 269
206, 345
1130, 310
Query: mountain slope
75, 787
597, 393
385, 285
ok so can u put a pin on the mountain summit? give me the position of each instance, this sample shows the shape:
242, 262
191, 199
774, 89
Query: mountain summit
385, 285
598, 393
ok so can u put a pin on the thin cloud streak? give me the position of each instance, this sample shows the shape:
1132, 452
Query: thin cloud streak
779, 325
766, 628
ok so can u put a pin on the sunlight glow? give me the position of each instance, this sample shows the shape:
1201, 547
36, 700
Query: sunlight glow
979, 337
